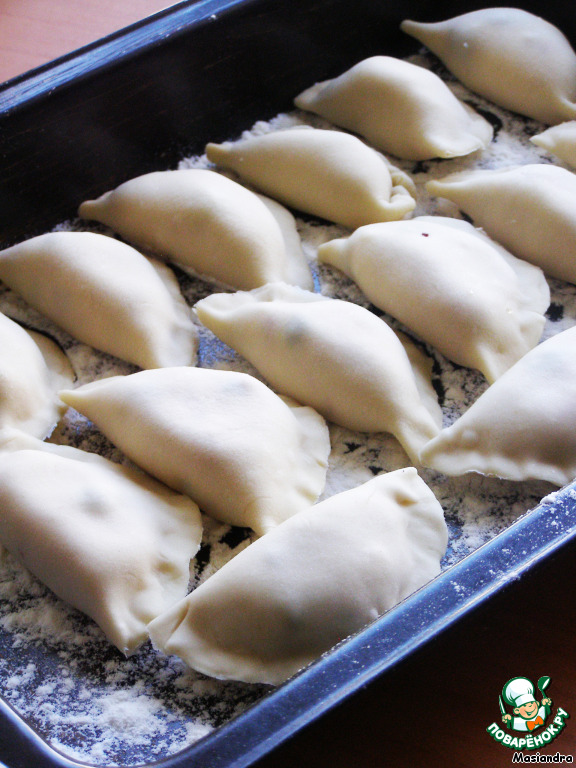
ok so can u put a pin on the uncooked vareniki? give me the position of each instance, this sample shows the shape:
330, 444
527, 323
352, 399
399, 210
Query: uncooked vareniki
400, 108
521, 427
309, 583
509, 56
105, 538
529, 209
299, 272
105, 294
333, 355
222, 437
478, 305
32, 370
326, 173
560, 140
203, 221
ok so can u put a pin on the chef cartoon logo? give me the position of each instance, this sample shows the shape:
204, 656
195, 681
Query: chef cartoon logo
528, 713
525, 720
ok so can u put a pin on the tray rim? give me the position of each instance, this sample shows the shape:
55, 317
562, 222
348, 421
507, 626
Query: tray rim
22, 90
335, 677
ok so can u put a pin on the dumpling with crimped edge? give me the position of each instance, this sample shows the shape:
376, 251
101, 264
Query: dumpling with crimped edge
333, 355
105, 294
311, 582
509, 56
400, 108
107, 539
246, 456
32, 370
449, 283
560, 140
522, 427
299, 273
204, 222
325, 173
529, 209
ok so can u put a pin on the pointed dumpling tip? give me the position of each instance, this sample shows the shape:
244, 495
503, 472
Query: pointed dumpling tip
216, 152
335, 253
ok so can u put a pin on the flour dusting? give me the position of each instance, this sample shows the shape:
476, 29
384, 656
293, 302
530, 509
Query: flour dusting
56, 668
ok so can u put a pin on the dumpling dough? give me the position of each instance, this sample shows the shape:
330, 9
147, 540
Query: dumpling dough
32, 370
477, 304
105, 538
529, 209
242, 453
400, 108
310, 583
333, 355
325, 173
509, 56
522, 427
299, 272
204, 222
560, 140
106, 294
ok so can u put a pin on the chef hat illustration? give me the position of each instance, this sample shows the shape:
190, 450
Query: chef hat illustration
518, 691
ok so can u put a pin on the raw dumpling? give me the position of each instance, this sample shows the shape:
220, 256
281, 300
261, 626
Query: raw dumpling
325, 173
106, 294
509, 56
241, 452
299, 273
105, 538
522, 427
473, 301
560, 140
309, 583
204, 222
400, 108
32, 370
529, 209
333, 355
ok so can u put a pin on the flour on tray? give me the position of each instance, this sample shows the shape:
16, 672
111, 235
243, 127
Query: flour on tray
56, 668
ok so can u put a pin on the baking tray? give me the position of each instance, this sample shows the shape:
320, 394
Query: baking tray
142, 99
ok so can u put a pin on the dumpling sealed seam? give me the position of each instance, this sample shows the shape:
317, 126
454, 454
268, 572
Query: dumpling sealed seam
522, 427
446, 281
206, 223
105, 294
509, 56
246, 456
529, 209
325, 173
333, 355
400, 108
310, 582
32, 370
107, 539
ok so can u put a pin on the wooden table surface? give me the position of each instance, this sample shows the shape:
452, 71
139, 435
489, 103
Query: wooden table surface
33, 32
434, 709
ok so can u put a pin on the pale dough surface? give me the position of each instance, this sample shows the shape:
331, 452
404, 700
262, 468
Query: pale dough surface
109, 540
388, 535
399, 108
509, 56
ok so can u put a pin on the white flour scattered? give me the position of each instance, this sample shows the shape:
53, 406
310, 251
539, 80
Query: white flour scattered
56, 668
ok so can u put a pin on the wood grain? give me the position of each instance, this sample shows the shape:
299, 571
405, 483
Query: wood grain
33, 32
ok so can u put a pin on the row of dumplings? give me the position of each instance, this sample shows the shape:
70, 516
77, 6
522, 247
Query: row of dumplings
225, 443
116, 542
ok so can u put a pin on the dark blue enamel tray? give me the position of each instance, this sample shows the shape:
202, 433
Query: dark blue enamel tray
139, 101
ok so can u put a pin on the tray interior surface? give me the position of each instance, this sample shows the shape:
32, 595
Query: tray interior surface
143, 100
